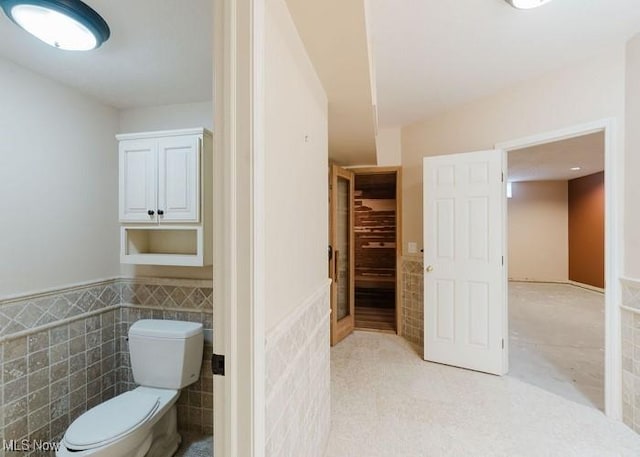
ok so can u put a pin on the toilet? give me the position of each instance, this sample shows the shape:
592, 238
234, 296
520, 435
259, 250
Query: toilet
165, 357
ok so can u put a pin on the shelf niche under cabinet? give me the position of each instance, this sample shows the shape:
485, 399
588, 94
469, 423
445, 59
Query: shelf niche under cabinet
162, 246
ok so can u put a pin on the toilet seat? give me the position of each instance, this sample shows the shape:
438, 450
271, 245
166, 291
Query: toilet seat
111, 420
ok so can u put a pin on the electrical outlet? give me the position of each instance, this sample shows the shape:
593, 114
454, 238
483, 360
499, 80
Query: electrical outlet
413, 247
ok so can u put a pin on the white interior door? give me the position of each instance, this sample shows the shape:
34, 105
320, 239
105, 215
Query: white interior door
465, 279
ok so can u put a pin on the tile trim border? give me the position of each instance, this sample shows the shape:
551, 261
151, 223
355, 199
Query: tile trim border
9, 299
275, 334
54, 324
176, 282
630, 294
118, 282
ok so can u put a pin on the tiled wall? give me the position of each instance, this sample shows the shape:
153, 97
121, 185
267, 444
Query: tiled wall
297, 385
21, 314
64, 352
412, 300
178, 302
631, 354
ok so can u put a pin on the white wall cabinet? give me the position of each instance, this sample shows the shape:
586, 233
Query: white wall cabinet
165, 185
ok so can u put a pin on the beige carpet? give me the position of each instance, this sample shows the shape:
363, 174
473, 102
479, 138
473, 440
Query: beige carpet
557, 340
387, 402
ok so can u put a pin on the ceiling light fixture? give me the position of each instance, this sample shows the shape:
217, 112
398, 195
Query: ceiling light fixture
526, 4
576, 168
64, 24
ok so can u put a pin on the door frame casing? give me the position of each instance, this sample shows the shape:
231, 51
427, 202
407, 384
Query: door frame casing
340, 329
614, 236
239, 229
398, 173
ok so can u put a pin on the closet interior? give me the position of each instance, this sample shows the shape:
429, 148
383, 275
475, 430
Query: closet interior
375, 238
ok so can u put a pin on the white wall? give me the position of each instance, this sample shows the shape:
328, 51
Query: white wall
296, 169
297, 365
632, 162
539, 231
166, 117
58, 185
582, 93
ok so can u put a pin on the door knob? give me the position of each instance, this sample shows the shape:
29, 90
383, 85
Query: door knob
429, 269
151, 212
160, 212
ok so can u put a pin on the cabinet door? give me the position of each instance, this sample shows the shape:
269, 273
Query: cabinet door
138, 181
179, 179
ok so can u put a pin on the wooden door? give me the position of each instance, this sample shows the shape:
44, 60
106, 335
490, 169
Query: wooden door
465, 277
341, 266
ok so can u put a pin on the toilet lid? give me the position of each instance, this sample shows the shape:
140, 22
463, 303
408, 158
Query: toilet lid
110, 420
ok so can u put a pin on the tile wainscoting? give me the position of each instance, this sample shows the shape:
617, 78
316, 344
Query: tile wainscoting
63, 352
177, 300
631, 353
298, 381
412, 301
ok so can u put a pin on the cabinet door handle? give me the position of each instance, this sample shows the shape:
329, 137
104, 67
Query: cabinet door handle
151, 212
160, 212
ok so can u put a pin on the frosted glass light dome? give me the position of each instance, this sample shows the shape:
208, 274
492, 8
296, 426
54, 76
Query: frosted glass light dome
64, 24
527, 4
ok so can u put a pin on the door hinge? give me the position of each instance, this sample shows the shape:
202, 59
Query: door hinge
502, 176
503, 261
502, 343
217, 364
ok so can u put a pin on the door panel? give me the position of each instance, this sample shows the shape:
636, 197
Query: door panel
342, 260
465, 280
138, 181
179, 176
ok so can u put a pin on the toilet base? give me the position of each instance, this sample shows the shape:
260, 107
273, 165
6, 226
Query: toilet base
165, 436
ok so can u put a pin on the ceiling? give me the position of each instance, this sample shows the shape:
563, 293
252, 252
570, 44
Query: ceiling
334, 34
427, 56
553, 161
432, 55
160, 52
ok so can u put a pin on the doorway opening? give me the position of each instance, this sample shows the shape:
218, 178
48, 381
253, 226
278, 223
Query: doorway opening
364, 250
556, 219
612, 248
375, 257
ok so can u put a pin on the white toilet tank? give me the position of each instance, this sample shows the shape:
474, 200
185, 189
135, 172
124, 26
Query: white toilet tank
165, 354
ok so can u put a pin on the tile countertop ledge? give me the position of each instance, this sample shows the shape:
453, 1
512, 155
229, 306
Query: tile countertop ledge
630, 294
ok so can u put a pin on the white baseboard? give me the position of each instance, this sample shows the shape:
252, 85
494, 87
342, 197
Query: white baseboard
568, 282
587, 286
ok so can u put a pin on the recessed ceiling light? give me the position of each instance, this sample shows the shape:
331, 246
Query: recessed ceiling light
576, 168
64, 24
526, 4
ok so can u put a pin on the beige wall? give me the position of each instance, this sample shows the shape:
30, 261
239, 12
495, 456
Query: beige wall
296, 169
632, 161
538, 231
166, 117
58, 185
389, 147
582, 93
